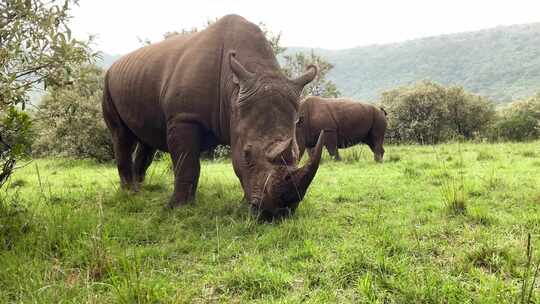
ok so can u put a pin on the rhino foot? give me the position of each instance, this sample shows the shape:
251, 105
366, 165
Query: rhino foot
183, 193
130, 187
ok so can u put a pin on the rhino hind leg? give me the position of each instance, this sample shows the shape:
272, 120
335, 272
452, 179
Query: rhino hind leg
144, 155
124, 143
331, 144
184, 142
376, 145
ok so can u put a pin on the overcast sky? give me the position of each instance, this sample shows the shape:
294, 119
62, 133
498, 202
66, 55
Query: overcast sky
327, 24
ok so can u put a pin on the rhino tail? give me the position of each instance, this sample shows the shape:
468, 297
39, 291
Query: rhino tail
384, 111
110, 114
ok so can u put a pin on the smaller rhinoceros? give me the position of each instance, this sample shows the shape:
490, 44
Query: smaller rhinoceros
346, 123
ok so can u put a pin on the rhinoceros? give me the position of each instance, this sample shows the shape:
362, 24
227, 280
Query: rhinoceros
347, 123
222, 85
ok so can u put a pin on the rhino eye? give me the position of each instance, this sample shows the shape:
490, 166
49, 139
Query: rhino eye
300, 120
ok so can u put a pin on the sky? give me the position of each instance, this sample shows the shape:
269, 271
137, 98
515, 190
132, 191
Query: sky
334, 24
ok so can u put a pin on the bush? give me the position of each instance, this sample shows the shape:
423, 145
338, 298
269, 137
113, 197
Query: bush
69, 121
519, 121
469, 115
15, 139
429, 113
416, 113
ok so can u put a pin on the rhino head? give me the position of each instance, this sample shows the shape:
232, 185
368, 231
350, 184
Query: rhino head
263, 140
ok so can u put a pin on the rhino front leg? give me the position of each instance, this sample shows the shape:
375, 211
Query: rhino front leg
184, 141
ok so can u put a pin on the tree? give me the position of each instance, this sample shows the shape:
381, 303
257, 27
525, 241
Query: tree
296, 64
15, 140
416, 113
429, 113
69, 121
273, 38
37, 48
469, 115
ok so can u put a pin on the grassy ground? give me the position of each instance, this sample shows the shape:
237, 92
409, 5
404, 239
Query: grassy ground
442, 224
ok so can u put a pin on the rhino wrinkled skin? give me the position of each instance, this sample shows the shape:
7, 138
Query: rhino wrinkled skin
346, 122
222, 85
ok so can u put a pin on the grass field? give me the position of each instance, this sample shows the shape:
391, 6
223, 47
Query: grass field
433, 224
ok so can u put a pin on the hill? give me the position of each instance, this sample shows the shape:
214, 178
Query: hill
502, 63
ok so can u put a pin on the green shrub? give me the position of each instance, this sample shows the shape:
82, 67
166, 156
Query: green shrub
429, 113
69, 121
519, 121
416, 113
469, 115
15, 139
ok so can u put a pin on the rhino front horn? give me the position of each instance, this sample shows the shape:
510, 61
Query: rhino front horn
303, 176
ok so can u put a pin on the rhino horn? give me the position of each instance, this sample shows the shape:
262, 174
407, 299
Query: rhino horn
303, 176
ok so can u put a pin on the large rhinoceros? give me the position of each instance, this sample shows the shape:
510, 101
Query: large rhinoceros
346, 121
222, 85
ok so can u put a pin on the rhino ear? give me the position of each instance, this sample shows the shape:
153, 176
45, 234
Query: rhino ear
307, 77
240, 74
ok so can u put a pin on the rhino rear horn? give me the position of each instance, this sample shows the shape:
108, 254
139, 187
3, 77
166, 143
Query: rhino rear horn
240, 74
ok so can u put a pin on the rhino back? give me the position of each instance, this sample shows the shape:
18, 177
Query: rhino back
355, 118
351, 119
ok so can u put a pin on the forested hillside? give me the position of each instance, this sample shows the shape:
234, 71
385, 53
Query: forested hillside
502, 63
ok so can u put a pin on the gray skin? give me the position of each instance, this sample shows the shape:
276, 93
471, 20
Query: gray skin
346, 122
222, 85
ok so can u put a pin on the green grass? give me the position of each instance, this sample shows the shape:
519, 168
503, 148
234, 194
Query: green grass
366, 233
